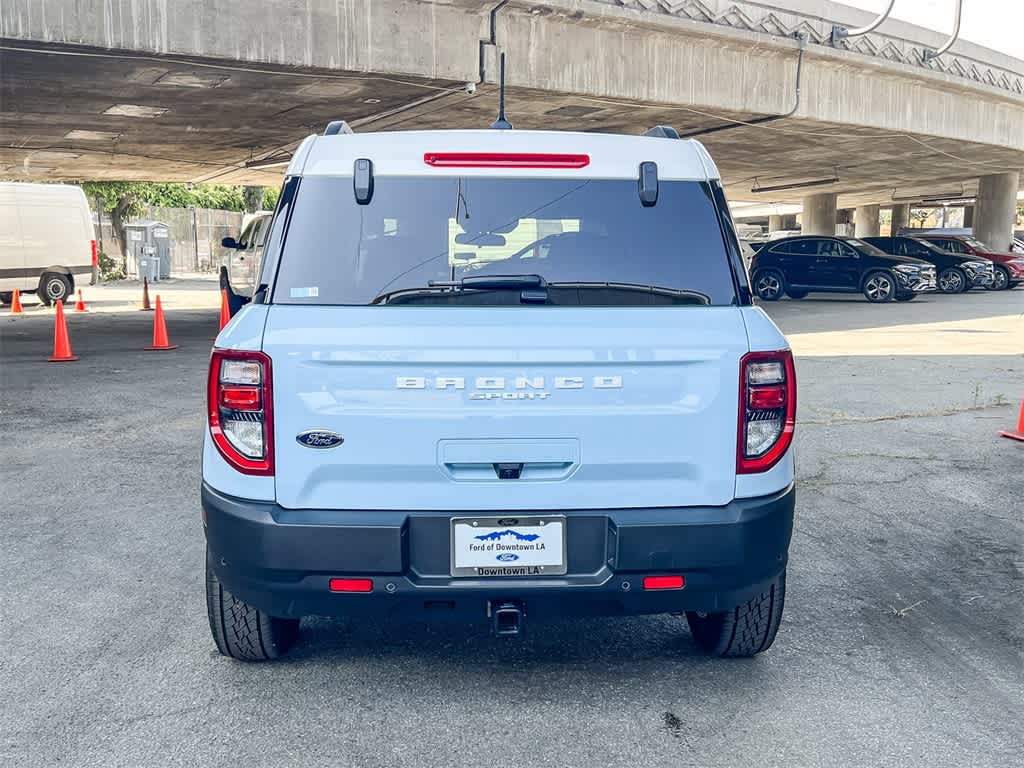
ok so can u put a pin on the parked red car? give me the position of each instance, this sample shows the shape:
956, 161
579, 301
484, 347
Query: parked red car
1009, 266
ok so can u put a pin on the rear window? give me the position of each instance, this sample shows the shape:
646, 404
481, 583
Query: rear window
590, 241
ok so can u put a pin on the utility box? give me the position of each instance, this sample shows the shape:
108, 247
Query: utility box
150, 242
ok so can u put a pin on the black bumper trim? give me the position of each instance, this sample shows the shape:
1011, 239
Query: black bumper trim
281, 560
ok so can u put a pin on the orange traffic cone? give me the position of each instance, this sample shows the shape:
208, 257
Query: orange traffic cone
61, 342
225, 309
16, 303
160, 340
80, 304
1018, 433
145, 296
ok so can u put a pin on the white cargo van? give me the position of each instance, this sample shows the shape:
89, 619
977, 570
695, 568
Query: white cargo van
46, 240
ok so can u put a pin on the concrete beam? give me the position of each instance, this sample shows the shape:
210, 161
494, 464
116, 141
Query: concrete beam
866, 221
995, 209
819, 215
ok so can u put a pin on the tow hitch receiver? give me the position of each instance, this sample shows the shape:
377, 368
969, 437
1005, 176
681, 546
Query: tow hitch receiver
507, 618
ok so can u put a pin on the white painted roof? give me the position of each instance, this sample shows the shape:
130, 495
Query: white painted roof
400, 153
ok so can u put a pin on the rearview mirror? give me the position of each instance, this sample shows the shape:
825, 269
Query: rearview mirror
229, 242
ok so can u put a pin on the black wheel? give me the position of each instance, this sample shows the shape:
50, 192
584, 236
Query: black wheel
243, 632
952, 280
906, 296
879, 287
768, 284
1001, 279
53, 286
795, 293
6, 298
746, 630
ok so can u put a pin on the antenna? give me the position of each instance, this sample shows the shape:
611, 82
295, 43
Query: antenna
501, 123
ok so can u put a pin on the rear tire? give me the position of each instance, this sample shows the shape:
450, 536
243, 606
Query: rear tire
953, 280
6, 298
243, 632
768, 284
746, 630
53, 286
879, 287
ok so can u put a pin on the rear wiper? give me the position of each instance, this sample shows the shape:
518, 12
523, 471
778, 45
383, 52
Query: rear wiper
654, 290
534, 288
509, 282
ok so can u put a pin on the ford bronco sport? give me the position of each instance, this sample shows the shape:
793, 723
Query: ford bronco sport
497, 376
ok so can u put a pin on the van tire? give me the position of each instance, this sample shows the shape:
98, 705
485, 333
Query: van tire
243, 632
747, 629
53, 286
6, 298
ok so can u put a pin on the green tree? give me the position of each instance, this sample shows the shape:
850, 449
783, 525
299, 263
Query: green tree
270, 196
123, 200
253, 198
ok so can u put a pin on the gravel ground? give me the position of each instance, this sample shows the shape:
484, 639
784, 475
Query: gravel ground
901, 644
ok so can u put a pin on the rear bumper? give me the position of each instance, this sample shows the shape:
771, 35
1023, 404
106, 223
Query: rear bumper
281, 560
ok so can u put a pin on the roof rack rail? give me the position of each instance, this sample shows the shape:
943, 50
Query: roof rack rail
337, 126
662, 132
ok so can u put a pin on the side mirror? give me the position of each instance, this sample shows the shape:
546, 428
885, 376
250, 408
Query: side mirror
229, 242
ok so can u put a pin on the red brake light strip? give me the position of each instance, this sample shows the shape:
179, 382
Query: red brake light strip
504, 160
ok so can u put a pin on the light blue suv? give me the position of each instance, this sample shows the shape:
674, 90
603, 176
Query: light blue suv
499, 375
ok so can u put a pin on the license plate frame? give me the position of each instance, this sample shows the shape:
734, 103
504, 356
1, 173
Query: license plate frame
515, 542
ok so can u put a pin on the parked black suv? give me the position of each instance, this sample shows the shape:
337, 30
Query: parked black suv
797, 266
956, 273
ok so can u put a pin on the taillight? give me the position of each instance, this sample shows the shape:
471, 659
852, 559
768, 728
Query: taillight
767, 413
505, 160
239, 410
95, 255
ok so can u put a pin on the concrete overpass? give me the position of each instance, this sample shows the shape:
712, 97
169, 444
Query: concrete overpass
211, 90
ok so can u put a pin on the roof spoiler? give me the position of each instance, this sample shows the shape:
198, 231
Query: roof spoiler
662, 132
337, 126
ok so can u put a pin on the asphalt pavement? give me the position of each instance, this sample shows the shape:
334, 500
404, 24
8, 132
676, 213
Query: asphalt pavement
901, 644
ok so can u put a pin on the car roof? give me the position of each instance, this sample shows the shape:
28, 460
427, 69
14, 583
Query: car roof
401, 153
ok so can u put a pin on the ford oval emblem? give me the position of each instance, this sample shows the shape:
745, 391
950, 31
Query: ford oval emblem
507, 557
319, 438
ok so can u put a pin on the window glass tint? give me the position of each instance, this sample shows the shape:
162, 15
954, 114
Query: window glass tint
950, 245
797, 247
261, 233
245, 239
920, 247
865, 248
421, 229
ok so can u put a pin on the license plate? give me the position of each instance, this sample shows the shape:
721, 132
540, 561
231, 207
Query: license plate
508, 546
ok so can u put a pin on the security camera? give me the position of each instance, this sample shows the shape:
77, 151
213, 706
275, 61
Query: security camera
470, 88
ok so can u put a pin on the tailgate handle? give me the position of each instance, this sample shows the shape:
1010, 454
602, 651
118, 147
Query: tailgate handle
506, 471
523, 459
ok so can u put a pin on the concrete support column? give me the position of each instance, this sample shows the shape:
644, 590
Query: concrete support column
789, 221
774, 223
968, 216
819, 216
900, 218
866, 221
995, 209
